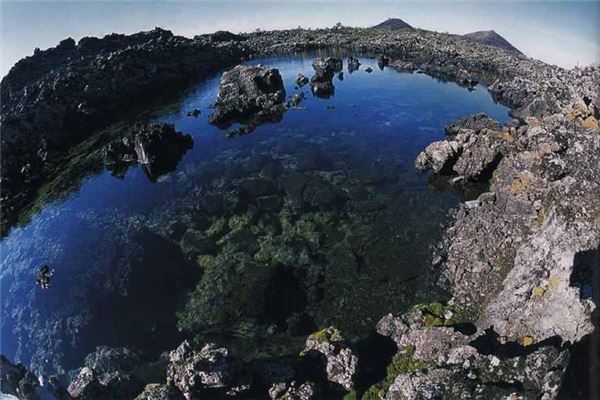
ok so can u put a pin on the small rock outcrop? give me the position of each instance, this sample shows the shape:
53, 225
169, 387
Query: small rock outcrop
341, 362
249, 95
322, 82
353, 64
158, 147
439, 358
107, 374
156, 391
301, 80
474, 147
292, 391
193, 371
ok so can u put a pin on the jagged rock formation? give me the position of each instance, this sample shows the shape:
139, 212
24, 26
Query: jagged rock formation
249, 94
473, 149
322, 82
491, 38
158, 147
109, 373
339, 358
194, 371
393, 24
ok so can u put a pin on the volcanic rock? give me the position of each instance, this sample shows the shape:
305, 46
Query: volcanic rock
158, 147
249, 94
341, 362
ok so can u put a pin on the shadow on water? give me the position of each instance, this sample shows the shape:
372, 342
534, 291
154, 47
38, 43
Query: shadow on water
145, 316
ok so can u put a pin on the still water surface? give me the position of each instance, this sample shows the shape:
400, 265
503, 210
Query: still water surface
319, 219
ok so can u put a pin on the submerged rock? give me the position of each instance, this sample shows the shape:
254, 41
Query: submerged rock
194, 113
250, 95
301, 80
17, 381
43, 277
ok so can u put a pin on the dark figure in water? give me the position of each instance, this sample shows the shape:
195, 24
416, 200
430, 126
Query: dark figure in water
43, 276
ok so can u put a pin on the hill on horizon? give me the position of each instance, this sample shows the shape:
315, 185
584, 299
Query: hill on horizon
491, 38
393, 24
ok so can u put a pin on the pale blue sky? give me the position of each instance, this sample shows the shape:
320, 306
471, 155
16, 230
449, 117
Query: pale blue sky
563, 33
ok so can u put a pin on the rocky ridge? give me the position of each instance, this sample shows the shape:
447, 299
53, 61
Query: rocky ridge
57, 97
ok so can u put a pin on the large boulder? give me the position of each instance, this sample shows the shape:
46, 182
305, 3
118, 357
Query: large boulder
249, 94
474, 147
437, 156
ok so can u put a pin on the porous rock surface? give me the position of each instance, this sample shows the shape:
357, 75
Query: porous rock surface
292, 391
341, 362
249, 94
193, 370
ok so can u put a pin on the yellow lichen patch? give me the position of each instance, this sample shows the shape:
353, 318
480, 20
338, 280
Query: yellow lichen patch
542, 215
574, 113
520, 182
529, 158
527, 341
553, 282
590, 123
537, 291
544, 148
506, 136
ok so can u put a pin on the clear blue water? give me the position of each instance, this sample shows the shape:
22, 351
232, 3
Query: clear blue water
119, 275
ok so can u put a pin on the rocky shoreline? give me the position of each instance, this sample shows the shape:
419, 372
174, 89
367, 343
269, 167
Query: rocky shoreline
520, 261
